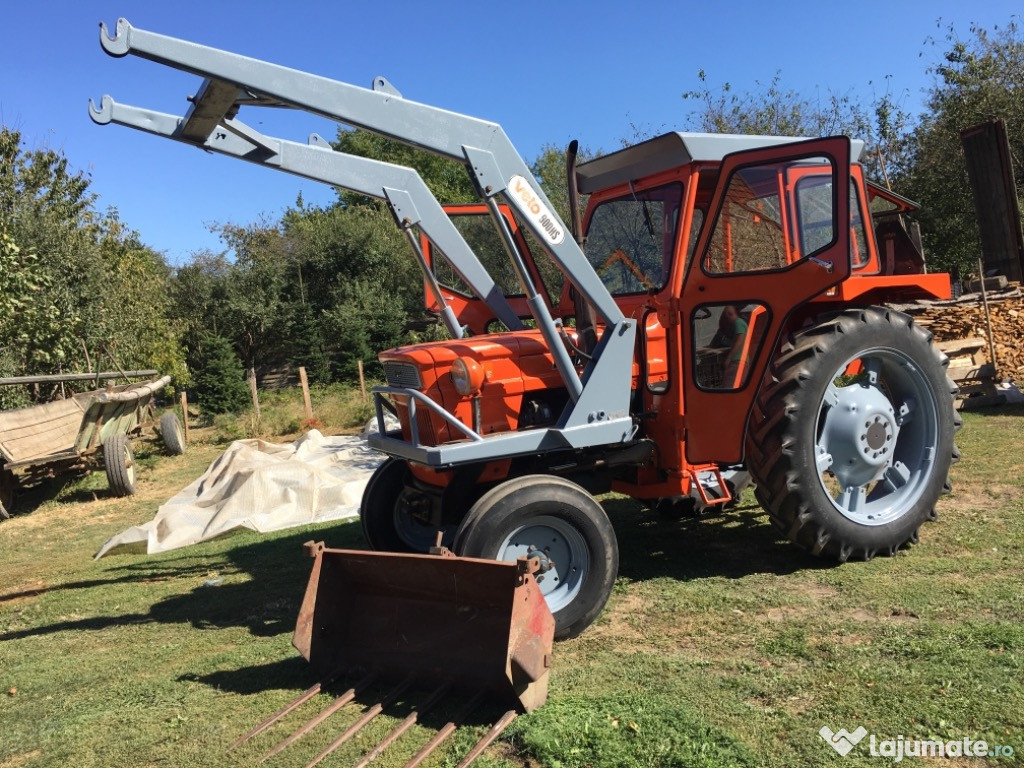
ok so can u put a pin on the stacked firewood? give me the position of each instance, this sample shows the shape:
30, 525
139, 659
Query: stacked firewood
966, 319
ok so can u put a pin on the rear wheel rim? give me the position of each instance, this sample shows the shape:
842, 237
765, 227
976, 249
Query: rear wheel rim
560, 547
876, 437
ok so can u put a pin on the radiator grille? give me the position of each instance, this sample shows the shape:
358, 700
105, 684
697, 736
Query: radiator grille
402, 375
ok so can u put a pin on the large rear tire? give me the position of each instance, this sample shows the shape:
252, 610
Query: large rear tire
851, 441
549, 517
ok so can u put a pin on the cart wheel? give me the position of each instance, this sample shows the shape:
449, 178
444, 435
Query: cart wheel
6, 495
120, 465
172, 434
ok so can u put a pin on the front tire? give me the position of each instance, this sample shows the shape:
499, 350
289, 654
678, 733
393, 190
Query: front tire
562, 524
393, 514
852, 440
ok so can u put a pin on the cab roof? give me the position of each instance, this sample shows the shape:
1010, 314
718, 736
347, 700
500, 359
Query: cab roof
672, 150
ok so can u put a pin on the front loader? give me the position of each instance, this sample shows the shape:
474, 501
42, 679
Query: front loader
717, 309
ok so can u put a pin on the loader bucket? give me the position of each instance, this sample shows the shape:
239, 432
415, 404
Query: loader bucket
465, 623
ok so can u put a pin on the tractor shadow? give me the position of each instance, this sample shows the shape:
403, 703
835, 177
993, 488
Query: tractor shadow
732, 544
265, 604
735, 544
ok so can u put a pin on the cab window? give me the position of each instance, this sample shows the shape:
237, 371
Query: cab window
630, 240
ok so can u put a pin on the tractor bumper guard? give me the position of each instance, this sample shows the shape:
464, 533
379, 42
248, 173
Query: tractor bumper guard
600, 429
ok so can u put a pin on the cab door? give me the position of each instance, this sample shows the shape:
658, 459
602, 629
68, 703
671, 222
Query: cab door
767, 247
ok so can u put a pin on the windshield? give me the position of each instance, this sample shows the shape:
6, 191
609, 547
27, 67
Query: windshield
480, 234
630, 240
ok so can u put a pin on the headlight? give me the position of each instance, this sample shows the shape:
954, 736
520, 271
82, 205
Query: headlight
467, 376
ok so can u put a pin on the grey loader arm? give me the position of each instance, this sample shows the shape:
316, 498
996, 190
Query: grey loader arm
598, 410
406, 193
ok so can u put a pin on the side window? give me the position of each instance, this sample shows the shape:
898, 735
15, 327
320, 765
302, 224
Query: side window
726, 340
695, 225
752, 234
749, 235
814, 200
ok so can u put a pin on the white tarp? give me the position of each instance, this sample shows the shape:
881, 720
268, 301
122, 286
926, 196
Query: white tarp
263, 487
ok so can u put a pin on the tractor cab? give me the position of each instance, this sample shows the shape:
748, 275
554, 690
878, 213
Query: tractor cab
638, 212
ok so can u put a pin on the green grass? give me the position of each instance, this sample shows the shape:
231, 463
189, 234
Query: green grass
721, 646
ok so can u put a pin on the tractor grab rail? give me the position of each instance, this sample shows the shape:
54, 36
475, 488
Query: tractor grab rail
414, 397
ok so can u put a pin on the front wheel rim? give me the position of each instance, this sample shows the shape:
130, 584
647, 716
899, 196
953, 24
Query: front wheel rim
415, 533
562, 550
876, 437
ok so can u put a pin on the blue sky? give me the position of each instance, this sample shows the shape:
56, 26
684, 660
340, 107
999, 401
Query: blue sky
547, 71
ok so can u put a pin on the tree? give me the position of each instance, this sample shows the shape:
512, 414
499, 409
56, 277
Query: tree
127, 318
47, 216
306, 343
88, 292
771, 109
21, 317
363, 323
445, 177
974, 80
255, 306
218, 377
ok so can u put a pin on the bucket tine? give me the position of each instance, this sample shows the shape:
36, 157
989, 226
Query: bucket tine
446, 730
405, 725
491, 735
286, 709
333, 707
371, 713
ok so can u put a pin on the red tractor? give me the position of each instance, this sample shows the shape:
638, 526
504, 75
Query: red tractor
752, 269
718, 310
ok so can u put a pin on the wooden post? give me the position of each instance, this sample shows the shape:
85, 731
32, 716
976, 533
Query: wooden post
252, 390
362, 380
184, 413
305, 393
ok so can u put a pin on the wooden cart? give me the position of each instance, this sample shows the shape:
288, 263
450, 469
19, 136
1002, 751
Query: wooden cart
41, 441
